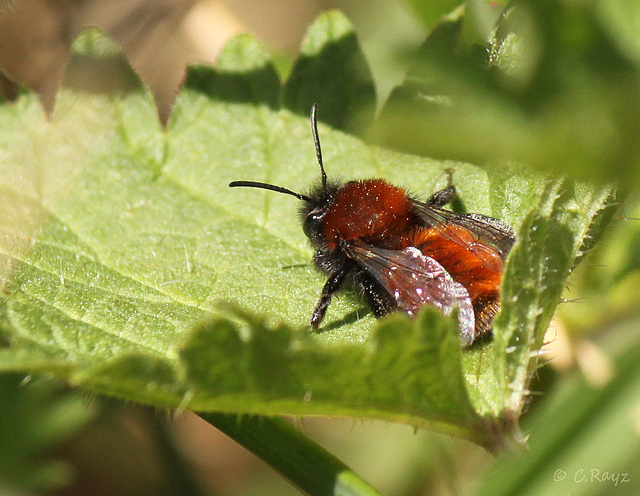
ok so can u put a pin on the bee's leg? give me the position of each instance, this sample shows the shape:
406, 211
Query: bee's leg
330, 288
380, 301
444, 196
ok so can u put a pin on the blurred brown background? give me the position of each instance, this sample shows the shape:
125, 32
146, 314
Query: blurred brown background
160, 37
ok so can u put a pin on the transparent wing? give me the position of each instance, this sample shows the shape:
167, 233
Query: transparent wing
485, 231
414, 280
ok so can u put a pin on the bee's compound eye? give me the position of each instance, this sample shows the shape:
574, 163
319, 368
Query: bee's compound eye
312, 225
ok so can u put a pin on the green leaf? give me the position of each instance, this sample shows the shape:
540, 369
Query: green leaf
120, 240
549, 88
332, 72
553, 233
431, 13
622, 23
409, 371
36, 415
610, 276
244, 73
584, 439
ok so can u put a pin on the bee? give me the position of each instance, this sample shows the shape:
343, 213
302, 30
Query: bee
400, 252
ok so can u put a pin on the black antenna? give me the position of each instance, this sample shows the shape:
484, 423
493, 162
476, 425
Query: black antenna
280, 189
316, 141
272, 187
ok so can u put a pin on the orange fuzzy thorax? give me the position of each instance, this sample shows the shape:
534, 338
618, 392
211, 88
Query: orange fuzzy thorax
372, 210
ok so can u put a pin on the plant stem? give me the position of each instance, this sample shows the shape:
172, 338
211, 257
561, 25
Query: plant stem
307, 465
179, 474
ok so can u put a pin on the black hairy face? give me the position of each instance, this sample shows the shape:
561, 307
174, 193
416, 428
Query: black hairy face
312, 213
